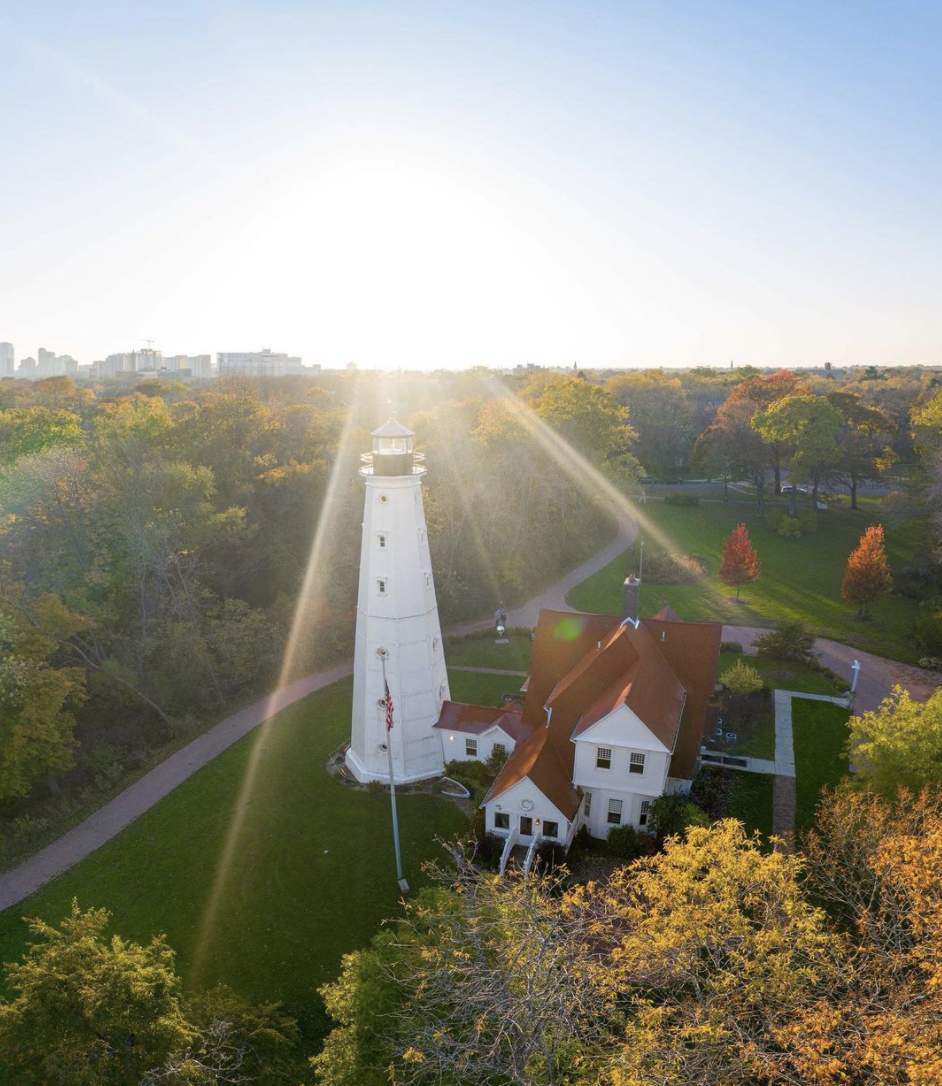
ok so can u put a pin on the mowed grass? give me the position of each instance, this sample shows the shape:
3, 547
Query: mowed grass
820, 732
477, 651
312, 874
800, 579
751, 801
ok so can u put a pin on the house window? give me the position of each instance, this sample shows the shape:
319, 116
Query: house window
614, 812
381, 586
526, 825
382, 542
550, 829
603, 758
645, 810
499, 748
501, 821
587, 804
471, 747
636, 765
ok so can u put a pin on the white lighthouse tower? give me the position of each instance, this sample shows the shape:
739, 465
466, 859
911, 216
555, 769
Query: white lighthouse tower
397, 621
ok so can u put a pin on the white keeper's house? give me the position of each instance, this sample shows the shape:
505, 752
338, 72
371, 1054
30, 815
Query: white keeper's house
613, 717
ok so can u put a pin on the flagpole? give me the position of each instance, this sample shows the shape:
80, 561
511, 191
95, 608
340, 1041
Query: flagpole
392, 783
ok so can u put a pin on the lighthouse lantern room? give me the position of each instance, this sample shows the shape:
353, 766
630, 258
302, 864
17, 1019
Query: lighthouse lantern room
398, 635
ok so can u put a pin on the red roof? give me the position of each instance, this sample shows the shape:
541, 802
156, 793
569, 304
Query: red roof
475, 719
585, 666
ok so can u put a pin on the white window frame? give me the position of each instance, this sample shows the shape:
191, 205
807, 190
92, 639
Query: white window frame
381, 540
501, 815
587, 804
645, 812
499, 748
382, 585
636, 763
470, 746
616, 807
603, 754
546, 833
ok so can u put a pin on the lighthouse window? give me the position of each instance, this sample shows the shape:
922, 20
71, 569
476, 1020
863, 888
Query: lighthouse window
382, 542
428, 580
381, 586
434, 644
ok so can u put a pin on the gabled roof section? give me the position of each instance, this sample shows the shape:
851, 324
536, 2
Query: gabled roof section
477, 719
537, 759
692, 649
562, 639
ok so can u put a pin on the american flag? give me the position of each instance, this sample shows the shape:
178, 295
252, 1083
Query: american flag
389, 707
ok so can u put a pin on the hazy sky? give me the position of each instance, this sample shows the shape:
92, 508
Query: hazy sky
455, 183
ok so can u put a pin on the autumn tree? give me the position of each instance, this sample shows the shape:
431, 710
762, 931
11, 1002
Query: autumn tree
867, 576
757, 394
898, 744
864, 453
730, 448
740, 564
89, 1010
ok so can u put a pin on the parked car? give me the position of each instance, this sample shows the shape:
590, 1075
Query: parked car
788, 488
647, 480
821, 505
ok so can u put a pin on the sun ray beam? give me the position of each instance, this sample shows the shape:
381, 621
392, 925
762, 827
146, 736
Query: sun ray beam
304, 614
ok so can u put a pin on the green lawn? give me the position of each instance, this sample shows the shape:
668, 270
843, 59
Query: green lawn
475, 651
751, 801
820, 733
312, 876
800, 579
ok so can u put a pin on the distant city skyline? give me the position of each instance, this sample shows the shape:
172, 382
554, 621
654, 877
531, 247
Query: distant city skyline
419, 185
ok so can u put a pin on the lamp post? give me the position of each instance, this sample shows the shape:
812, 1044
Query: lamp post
853, 686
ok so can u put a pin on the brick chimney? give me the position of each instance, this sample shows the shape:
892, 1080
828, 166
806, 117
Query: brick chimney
632, 596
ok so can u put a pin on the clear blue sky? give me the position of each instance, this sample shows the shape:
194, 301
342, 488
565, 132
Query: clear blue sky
450, 183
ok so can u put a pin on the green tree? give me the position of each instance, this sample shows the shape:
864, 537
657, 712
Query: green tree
898, 745
88, 1010
810, 426
26, 430
36, 725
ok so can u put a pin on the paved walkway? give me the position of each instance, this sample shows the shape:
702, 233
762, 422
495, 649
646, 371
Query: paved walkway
110, 820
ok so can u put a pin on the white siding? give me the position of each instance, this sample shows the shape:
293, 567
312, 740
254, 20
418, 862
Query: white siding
454, 744
513, 803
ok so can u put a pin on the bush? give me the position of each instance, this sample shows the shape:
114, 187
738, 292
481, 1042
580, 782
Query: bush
741, 678
790, 640
712, 790
933, 663
672, 813
670, 567
927, 633
583, 842
808, 521
682, 499
775, 517
790, 528
623, 842
551, 854
730, 646
488, 848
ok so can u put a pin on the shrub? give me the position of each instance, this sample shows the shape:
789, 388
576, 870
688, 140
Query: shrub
741, 678
790, 640
623, 842
682, 499
583, 842
672, 813
775, 517
927, 633
933, 663
551, 854
790, 528
808, 521
730, 646
712, 790
670, 567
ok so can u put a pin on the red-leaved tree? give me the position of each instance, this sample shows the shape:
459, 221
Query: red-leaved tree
867, 576
740, 563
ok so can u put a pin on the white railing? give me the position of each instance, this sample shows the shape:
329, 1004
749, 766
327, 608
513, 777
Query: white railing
531, 855
512, 839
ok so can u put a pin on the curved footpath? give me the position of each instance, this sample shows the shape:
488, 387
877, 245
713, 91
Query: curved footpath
876, 680
110, 820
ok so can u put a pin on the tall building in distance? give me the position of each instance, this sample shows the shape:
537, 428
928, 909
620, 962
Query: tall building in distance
263, 363
50, 364
199, 365
7, 359
399, 652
